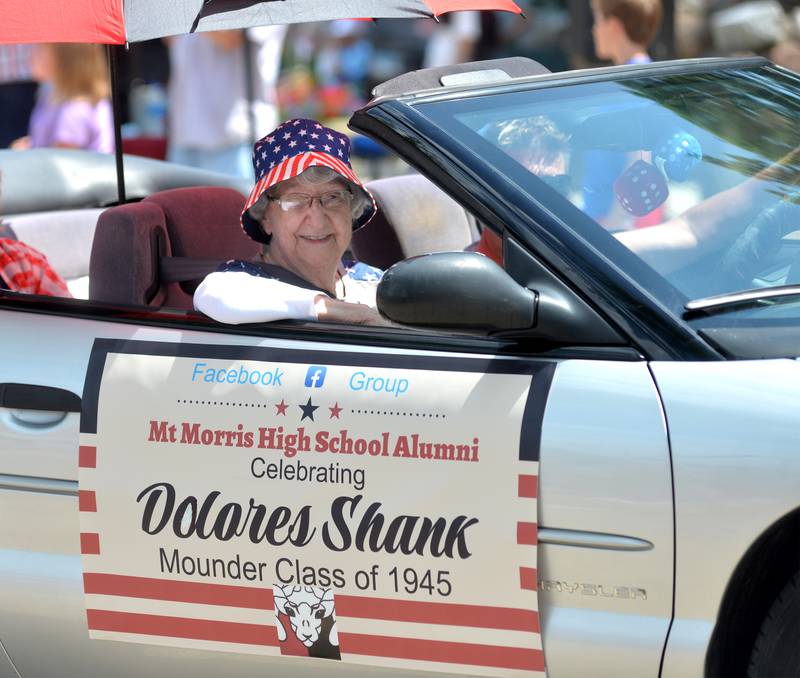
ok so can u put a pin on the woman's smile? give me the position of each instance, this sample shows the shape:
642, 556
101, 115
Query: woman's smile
316, 238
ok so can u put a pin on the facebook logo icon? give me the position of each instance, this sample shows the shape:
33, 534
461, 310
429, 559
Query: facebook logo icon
315, 377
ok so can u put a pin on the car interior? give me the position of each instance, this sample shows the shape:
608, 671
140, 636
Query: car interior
155, 250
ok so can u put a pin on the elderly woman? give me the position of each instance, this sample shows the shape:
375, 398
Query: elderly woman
304, 207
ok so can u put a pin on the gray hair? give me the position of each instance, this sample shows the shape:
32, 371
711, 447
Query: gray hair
316, 175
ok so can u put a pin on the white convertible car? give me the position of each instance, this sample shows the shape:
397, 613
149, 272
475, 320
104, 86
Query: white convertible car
584, 460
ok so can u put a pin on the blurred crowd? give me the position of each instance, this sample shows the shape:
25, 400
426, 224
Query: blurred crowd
202, 99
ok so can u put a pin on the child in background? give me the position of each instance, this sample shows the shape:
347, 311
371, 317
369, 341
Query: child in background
73, 108
624, 29
213, 118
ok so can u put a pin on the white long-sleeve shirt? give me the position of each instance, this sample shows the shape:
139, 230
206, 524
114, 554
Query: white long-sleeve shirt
236, 297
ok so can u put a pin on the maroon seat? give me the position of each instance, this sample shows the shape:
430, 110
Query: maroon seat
155, 252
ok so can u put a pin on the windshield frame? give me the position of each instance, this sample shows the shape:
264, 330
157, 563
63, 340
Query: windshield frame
493, 199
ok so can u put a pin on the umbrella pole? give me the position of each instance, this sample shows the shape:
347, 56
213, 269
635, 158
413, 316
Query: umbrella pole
117, 108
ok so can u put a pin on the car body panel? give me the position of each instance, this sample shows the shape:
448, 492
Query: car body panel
40, 560
600, 457
734, 435
7, 669
40, 556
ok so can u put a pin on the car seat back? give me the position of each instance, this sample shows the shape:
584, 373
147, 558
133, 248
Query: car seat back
414, 217
155, 252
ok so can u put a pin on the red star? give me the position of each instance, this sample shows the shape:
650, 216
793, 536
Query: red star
335, 410
281, 407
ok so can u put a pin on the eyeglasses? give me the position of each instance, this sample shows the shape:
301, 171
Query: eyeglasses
295, 202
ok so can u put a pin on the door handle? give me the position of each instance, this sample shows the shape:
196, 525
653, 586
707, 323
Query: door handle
36, 419
35, 397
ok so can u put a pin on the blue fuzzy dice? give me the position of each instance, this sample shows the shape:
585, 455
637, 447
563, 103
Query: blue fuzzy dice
679, 155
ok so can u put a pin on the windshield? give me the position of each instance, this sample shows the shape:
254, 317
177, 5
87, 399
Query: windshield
694, 173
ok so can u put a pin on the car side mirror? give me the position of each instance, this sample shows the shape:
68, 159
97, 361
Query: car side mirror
461, 290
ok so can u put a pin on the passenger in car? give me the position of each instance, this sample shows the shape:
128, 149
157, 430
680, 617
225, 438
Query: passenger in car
544, 150
24, 269
303, 209
541, 148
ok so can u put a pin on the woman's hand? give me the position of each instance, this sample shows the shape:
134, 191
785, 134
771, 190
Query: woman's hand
334, 310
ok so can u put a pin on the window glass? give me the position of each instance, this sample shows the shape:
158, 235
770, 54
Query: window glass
695, 174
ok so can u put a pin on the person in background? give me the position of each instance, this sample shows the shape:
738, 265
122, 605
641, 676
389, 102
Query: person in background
24, 269
541, 148
452, 40
210, 124
711, 224
17, 92
73, 109
786, 54
623, 31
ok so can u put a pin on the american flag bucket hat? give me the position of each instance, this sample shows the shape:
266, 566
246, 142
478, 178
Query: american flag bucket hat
291, 149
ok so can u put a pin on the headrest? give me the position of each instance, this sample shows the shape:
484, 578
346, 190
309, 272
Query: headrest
204, 222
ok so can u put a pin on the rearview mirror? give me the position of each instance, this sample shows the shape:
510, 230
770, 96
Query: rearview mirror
462, 290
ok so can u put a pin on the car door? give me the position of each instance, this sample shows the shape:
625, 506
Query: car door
606, 526
605, 565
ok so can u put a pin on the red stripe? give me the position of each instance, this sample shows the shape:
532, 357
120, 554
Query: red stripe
328, 159
321, 160
181, 627
90, 543
310, 160
526, 534
439, 7
342, 168
268, 179
87, 501
478, 616
87, 456
442, 651
281, 173
179, 591
450, 614
301, 164
255, 194
288, 171
296, 163
527, 578
351, 643
284, 173
528, 486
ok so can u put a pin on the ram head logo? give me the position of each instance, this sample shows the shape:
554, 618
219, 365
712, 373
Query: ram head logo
306, 621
